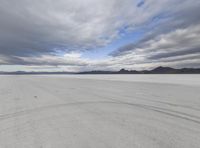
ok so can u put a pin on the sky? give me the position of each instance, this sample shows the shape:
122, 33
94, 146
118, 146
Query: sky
83, 35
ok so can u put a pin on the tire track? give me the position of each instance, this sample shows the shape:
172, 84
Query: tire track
175, 114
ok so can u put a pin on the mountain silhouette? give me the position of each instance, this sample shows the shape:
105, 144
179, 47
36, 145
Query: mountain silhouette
157, 70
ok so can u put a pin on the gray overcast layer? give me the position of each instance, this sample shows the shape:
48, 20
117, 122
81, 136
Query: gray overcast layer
55, 34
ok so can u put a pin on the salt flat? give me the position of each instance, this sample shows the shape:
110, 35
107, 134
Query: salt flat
100, 111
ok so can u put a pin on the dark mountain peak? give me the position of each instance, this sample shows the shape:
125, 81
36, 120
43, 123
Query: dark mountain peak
162, 69
123, 70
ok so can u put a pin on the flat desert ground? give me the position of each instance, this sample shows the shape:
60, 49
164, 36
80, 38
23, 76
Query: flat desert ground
100, 111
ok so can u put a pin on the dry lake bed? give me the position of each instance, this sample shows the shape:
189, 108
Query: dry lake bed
100, 111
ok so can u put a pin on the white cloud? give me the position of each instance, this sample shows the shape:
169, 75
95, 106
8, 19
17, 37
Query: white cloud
43, 26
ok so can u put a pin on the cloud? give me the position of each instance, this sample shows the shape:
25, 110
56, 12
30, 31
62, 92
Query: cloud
180, 15
171, 49
45, 26
34, 33
172, 40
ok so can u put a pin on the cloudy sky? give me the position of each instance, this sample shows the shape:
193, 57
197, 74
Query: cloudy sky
81, 35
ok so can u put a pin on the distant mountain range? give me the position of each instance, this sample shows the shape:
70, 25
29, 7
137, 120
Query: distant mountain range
158, 70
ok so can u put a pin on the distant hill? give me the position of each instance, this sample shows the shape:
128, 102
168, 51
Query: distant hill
158, 70
33, 73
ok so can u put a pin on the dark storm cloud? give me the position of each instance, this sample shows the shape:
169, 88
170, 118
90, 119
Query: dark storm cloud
174, 54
